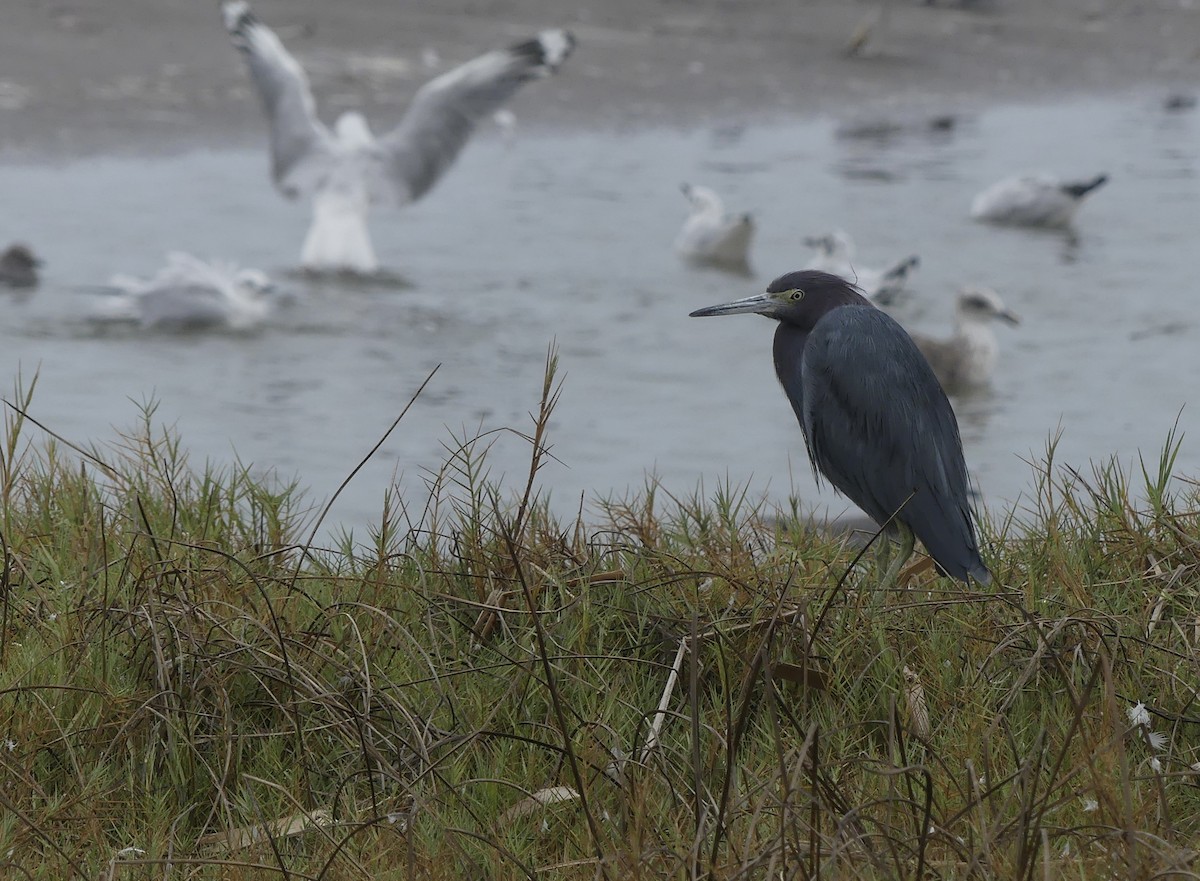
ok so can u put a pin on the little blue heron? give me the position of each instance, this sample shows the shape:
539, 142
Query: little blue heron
876, 423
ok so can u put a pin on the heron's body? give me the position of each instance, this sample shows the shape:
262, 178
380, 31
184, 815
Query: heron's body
348, 170
876, 422
967, 359
1040, 200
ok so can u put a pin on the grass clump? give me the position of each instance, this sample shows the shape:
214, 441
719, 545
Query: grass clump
662, 688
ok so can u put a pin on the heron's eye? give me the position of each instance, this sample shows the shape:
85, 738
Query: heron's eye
796, 295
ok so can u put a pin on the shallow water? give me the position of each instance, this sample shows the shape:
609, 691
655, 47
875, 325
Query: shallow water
567, 238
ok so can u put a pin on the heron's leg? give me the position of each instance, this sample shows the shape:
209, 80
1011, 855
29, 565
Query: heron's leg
907, 543
883, 553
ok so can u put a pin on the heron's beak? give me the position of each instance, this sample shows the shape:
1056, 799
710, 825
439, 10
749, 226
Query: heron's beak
1009, 317
759, 303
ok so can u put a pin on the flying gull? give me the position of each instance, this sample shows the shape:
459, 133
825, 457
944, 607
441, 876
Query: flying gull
347, 170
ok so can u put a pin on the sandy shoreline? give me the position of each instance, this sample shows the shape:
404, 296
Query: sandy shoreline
158, 75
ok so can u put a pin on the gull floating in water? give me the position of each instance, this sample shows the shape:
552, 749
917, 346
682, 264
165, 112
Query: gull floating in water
348, 170
711, 235
966, 360
835, 255
18, 267
1033, 200
189, 294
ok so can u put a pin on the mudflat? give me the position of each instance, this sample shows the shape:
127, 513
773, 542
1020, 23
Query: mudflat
152, 75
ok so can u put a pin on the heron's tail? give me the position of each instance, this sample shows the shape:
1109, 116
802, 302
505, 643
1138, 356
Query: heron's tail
981, 574
1082, 188
963, 571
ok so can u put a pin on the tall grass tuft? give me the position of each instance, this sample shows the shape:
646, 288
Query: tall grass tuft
657, 687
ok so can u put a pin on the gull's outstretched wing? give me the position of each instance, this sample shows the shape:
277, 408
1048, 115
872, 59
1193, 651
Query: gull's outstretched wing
445, 110
301, 146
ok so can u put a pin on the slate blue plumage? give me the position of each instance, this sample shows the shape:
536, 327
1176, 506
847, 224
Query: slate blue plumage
876, 422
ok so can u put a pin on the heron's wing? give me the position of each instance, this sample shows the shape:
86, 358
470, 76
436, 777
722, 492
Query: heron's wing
301, 146
445, 110
880, 429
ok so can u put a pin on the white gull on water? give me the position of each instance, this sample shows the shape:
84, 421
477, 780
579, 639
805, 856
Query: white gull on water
1033, 200
189, 294
348, 170
966, 359
835, 255
711, 235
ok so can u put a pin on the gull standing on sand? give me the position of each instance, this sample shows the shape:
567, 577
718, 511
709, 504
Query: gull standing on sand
966, 360
348, 170
713, 236
189, 294
1033, 200
835, 255
18, 267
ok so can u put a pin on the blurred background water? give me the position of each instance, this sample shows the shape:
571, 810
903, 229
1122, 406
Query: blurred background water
566, 238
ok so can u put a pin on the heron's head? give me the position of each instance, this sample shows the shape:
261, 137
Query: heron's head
20, 257
983, 304
352, 130
799, 298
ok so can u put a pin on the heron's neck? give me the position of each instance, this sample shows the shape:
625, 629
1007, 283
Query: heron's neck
788, 352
